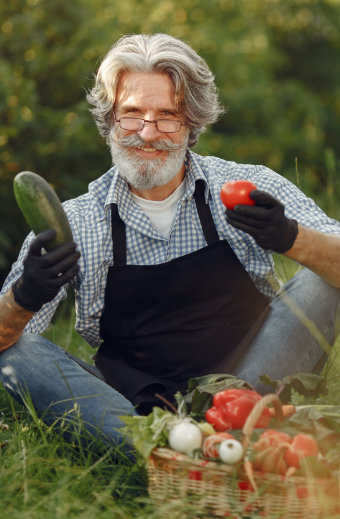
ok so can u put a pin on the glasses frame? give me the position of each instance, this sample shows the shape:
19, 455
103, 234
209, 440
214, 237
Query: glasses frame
147, 121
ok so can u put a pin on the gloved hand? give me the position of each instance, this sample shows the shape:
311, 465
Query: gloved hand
265, 221
45, 274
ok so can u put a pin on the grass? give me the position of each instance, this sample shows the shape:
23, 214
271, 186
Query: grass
43, 476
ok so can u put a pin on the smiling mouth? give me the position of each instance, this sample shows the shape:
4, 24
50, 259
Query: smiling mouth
148, 150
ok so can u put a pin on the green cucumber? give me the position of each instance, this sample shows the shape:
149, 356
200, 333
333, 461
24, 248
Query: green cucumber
41, 207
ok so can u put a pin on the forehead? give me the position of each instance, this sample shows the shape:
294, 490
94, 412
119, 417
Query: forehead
150, 90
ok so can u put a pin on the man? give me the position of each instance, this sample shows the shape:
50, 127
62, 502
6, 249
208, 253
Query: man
167, 285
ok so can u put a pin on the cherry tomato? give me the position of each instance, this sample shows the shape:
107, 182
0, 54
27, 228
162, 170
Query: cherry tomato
302, 445
237, 192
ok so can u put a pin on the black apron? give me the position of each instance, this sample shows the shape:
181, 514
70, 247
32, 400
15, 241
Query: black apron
165, 323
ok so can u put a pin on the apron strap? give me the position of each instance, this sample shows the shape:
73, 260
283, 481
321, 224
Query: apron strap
118, 237
204, 213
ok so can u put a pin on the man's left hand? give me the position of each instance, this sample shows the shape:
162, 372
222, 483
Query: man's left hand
265, 221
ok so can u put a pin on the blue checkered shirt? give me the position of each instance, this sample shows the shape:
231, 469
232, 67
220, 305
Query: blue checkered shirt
90, 220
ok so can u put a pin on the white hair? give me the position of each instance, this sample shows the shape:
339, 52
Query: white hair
193, 82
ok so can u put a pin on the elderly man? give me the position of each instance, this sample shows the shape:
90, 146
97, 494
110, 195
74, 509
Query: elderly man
167, 285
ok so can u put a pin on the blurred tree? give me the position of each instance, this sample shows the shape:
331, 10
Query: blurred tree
276, 64
44, 121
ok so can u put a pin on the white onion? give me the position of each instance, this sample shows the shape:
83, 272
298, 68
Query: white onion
230, 451
185, 437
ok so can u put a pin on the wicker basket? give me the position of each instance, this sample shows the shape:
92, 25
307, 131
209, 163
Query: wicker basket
216, 489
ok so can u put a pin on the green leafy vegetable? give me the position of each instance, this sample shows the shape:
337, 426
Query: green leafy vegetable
148, 432
306, 384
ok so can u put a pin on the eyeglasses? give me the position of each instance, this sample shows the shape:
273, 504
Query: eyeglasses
135, 124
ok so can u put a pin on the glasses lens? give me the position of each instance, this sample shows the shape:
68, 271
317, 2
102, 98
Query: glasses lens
131, 123
163, 125
168, 126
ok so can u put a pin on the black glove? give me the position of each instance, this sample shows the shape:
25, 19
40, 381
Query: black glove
265, 221
45, 274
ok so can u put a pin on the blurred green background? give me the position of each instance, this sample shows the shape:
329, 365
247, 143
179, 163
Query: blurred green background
277, 67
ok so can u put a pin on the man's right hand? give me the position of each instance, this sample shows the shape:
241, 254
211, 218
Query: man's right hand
45, 274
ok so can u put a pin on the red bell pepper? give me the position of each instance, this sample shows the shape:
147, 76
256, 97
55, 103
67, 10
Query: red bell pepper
231, 409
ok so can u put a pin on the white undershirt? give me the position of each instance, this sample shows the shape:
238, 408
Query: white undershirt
161, 212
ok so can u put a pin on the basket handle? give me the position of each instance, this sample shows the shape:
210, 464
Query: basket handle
255, 414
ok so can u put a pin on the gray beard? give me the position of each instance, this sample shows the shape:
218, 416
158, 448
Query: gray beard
147, 173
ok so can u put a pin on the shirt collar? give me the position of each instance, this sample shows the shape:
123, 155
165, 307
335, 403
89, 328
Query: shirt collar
118, 192
194, 172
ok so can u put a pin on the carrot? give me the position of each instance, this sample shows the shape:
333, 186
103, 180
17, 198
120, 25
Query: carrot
248, 469
287, 410
290, 472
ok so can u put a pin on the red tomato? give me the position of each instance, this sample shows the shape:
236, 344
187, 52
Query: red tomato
237, 192
271, 438
302, 445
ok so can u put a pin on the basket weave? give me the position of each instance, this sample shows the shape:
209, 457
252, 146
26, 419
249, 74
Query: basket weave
217, 489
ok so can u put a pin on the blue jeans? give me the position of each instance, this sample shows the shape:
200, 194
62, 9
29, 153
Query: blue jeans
298, 333
56, 380
66, 392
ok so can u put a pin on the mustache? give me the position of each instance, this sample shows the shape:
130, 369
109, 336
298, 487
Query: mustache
134, 141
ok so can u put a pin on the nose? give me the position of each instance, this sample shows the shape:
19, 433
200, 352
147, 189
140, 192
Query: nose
149, 132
